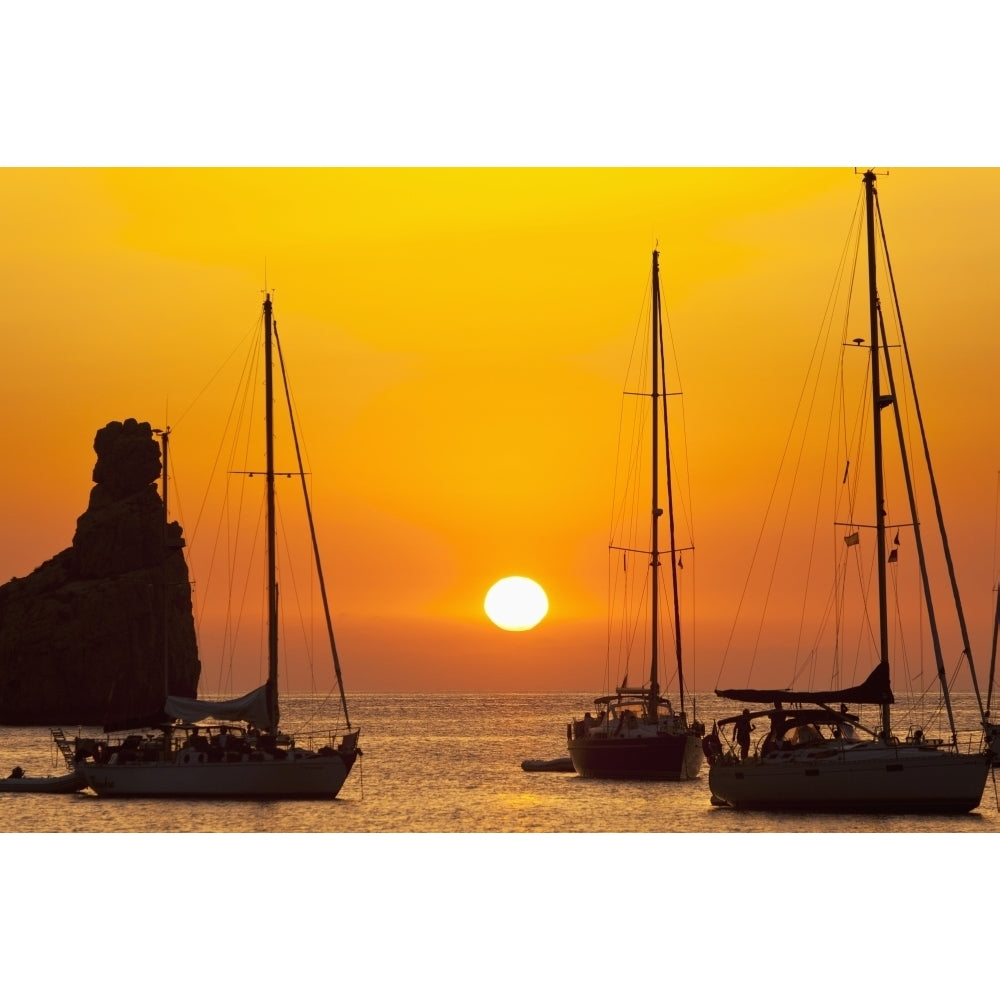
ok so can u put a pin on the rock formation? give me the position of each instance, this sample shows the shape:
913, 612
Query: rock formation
82, 637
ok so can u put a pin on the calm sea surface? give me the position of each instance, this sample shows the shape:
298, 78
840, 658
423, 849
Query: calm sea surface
448, 763
486, 915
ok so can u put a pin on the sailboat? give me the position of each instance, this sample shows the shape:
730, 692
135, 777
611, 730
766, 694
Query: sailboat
233, 748
816, 755
636, 733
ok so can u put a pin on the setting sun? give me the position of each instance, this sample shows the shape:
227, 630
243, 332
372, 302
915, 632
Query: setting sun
516, 603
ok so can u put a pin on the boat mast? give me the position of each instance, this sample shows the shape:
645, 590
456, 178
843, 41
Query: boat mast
878, 401
654, 554
272, 580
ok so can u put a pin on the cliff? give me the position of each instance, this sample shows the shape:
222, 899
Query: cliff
82, 637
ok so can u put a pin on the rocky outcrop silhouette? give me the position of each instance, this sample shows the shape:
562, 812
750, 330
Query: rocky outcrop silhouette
99, 632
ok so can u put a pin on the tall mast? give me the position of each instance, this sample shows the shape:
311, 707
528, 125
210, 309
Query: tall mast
272, 580
877, 403
654, 555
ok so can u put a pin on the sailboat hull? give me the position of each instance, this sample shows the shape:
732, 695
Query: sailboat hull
870, 779
313, 777
664, 757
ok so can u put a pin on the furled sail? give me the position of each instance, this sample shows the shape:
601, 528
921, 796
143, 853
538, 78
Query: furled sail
251, 708
876, 690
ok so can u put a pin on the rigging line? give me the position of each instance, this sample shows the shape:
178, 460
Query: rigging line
632, 617
900, 648
285, 534
234, 413
248, 589
236, 609
864, 585
610, 589
996, 525
317, 709
627, 524
619, 514
917, 533
993, 655
853, 446
849, 488
687, 504
288, 567
615, 586
667, 632
668, 628
801, 661
850, 449
829, 446
996, 609
930, 471
854, 439
809, 391
843, 272
217, 373
635, 458
634, 352
235, 420
850, 480
831, 299
670, 501
245, 382
312, 532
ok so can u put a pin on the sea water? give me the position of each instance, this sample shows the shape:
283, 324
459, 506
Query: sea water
451, 763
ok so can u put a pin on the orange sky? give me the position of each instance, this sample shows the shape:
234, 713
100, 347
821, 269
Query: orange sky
458, 340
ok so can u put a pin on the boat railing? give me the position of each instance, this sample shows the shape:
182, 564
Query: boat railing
317, 739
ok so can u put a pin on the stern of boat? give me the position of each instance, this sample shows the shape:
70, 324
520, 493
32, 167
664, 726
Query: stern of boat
349, 749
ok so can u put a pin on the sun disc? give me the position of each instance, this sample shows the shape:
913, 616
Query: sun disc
516, 603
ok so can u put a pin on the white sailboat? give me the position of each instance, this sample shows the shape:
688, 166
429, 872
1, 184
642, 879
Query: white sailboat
816, 755
233, 748
635, 732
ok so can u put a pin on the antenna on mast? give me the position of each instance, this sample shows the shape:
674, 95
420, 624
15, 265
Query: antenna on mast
264, 290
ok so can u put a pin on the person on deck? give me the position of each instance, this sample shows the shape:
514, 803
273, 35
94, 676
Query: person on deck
776, 735
741, 733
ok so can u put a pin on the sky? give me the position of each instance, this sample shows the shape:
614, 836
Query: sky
458, 341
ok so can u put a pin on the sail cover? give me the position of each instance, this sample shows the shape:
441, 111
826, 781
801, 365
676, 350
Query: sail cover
251, 708
874, 691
